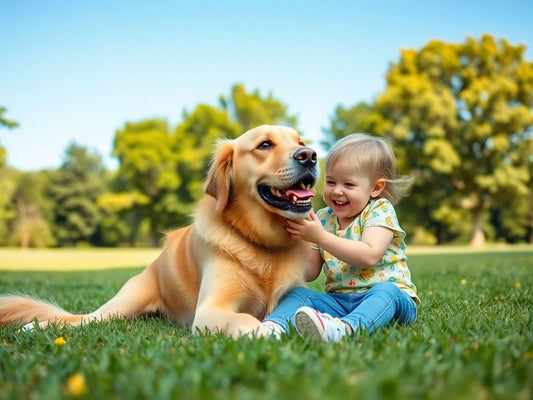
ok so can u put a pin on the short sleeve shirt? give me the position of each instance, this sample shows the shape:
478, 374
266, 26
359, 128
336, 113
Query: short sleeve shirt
342, 277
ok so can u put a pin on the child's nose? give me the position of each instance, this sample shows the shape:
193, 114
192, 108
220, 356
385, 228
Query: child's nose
338, 190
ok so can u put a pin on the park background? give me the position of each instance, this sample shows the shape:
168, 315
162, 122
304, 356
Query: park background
109, 111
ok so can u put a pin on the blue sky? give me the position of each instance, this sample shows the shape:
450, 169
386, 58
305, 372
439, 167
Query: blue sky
78, 70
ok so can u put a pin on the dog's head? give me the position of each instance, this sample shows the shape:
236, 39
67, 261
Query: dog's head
269, 165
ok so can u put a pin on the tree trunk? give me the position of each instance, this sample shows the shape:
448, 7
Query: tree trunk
478, 236
23, 224
135, 223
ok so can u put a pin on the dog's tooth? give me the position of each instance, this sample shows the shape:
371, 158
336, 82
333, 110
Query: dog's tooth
273, 191
294, 199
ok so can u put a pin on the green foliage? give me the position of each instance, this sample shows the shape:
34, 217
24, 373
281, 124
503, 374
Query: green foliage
459, 116
74, 189
472, 340
4, 122
32, 212
251, 110
148, 159
359, 118
3, 156
158, 182
25, 211
162, 170
195, 140
8, 185
462, 115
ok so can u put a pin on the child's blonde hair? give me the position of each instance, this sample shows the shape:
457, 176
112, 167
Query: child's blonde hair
374, 156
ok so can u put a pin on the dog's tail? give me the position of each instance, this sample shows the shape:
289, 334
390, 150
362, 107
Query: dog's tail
21, 309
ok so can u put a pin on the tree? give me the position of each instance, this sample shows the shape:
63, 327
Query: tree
356, 119
461, 116
10, 124
8, 185
195, 140
6, 122
75, 188
148, 158
32, 212
162, 171
250, 109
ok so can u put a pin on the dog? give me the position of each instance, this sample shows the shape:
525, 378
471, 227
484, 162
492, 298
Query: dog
227, 270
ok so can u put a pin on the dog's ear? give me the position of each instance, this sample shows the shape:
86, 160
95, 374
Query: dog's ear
219, 181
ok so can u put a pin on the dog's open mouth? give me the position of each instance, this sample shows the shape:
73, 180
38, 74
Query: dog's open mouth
296, 198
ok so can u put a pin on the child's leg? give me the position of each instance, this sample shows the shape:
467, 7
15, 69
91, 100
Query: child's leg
383, 303
298, 297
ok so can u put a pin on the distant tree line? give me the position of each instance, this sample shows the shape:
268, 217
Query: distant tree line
459, 116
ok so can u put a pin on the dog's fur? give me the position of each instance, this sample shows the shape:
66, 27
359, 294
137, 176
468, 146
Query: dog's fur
228, 269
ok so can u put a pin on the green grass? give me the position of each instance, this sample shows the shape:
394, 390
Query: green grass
473, 340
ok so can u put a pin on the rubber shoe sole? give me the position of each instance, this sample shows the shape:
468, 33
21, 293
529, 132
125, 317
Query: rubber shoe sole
309, 323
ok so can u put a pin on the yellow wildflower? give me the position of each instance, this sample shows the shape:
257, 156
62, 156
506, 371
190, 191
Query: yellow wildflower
60, 341
463, 281
75, 385
517, 285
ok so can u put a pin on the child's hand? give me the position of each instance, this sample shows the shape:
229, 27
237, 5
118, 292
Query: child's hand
308, 229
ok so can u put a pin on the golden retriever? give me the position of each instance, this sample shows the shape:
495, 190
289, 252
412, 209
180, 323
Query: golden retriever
227, 270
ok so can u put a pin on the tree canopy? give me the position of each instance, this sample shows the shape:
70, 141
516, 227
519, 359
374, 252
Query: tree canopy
4, 122
459, 117
75, 188
162, 169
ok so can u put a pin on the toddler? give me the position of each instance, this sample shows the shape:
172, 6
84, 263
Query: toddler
359, 244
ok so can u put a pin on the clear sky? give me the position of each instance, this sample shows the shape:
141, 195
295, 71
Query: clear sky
78, 70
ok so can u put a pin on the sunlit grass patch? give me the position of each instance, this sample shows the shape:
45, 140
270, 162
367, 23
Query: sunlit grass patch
64, 259
471, 341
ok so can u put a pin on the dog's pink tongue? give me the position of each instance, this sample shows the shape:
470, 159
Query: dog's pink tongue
302, 194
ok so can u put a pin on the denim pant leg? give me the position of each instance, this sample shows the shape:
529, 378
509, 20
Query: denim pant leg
383, 303
302, 296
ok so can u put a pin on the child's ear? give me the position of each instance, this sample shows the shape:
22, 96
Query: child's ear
379, 186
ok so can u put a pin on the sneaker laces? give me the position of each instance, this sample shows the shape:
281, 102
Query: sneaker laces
334, 327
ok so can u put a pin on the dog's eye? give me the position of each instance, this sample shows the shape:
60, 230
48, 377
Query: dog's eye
265, 145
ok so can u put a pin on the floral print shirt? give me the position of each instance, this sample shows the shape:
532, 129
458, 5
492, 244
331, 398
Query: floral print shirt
341, 277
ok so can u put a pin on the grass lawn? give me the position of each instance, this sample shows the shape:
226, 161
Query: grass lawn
473, 340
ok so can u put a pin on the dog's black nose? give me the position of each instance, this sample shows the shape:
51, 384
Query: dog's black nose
305, 156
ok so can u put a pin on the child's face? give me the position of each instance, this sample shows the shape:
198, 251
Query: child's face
347, 192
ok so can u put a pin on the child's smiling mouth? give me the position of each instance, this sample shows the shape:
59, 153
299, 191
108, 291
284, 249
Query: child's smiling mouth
340, 203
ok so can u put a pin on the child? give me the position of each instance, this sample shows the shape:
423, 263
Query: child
358, 242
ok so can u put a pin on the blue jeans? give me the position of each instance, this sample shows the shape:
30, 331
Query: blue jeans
381, 304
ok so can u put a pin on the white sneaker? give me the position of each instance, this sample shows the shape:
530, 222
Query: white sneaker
320, 325
270, 328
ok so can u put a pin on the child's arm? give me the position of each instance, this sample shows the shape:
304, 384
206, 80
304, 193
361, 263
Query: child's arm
315, 263
364, 253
